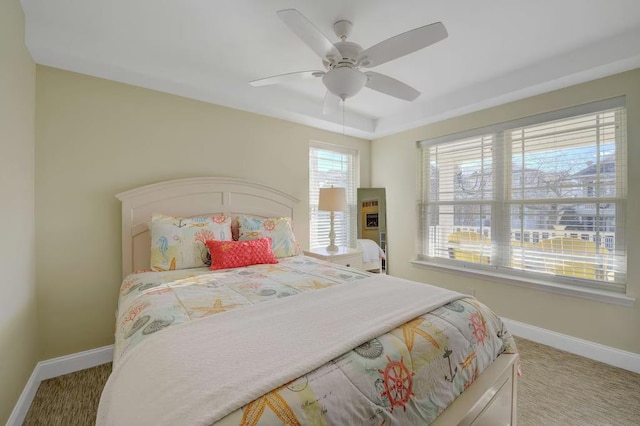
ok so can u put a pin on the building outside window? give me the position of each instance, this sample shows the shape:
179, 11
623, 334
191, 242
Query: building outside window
541, 197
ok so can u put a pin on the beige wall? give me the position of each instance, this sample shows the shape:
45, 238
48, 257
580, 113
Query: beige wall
95, 138
18, 334
394, 166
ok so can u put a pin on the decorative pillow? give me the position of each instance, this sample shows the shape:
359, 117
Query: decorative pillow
180, 243
234, 254
277, 228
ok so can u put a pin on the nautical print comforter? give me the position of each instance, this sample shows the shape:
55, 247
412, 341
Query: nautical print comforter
407, 376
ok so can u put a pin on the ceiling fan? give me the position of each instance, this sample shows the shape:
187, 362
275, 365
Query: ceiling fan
343, 60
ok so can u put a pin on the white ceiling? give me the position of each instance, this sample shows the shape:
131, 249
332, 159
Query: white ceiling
497, 51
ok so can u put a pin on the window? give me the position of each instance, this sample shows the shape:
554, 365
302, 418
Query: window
541, 197
337, 166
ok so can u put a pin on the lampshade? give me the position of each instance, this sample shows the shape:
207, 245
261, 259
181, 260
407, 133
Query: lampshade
332, 199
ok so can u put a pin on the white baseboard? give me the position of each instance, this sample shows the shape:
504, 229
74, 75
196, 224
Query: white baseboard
585, 348
75, 362
53, 368
24, 402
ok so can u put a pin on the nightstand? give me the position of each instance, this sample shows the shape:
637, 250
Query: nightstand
344, 256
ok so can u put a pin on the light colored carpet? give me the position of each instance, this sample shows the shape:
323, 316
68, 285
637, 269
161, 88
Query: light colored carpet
556, 388
69, 400
559, 388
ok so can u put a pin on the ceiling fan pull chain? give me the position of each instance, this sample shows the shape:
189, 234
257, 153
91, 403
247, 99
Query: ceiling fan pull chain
343, 117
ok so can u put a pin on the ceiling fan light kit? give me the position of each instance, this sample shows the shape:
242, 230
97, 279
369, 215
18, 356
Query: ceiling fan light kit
343, 59
344, 82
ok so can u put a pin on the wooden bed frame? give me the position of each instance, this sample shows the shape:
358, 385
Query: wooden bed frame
187, 198
490, 400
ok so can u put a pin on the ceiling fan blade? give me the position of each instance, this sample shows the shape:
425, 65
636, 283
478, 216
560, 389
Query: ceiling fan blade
310, 34
283, 78
390, 86
402, 44
331, 103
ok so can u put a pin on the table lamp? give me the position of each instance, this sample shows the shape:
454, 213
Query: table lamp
332, 200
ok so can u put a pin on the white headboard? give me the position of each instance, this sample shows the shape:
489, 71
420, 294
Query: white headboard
191, 197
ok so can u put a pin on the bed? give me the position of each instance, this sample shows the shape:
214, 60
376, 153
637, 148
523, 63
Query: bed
182, 355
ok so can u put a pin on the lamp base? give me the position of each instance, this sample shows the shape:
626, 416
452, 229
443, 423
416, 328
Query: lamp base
332, 236
332, 247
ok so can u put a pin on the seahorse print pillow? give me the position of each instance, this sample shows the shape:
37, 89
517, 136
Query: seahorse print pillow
277, 228
180, 243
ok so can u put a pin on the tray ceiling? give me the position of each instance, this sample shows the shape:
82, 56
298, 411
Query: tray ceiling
497, 51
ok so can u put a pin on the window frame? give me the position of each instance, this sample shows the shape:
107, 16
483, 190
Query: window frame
351, 192
501, 204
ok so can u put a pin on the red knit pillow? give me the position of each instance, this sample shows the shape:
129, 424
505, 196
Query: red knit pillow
234, 254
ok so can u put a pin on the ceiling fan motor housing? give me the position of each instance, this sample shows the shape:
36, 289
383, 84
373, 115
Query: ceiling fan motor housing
349, 51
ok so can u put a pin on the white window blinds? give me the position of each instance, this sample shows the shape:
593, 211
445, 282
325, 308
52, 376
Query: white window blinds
332, 165
543, 196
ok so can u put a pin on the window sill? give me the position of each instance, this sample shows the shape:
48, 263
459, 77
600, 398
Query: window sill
565, 289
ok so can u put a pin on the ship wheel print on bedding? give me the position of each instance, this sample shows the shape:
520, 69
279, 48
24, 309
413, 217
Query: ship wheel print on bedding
479, 327
398, 383
254, 410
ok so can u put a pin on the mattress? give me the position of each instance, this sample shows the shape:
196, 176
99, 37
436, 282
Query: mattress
408, 375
